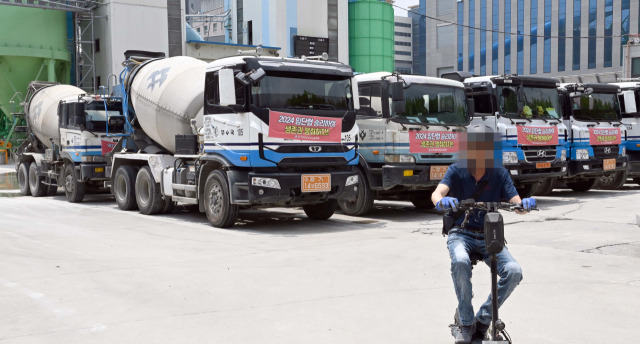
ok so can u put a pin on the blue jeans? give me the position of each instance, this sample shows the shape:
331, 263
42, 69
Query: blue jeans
461, 243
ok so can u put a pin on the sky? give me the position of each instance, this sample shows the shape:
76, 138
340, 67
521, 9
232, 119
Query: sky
403, 4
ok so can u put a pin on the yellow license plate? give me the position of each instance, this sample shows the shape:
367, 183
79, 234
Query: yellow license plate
316, 182
543, 165
437, 172
609, 164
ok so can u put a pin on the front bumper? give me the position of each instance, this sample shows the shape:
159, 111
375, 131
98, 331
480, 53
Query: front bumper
290, 192
524, 172
594, 167
419, 178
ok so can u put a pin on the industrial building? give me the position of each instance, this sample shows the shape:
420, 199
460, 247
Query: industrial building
402, 45
548, 37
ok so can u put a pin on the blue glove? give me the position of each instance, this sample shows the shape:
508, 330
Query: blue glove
529, 203
446, 203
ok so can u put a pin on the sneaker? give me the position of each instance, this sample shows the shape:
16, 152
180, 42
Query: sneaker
481, 330
466, 334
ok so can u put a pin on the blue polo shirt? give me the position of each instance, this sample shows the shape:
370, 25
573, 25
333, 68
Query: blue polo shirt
463, 185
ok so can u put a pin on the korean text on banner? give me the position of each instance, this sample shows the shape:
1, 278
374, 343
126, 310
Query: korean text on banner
107, 146
537, 136
290, 126
433, 142
605, 136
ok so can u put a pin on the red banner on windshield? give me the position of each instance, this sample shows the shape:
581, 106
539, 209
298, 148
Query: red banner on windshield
290, 126
605, 136
537, 136
433, 142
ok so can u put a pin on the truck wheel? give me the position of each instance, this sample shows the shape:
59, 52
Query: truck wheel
124, 183
613, 181
217, 201
23, 179
148, 196
527, 190
582, 185
167, 206
546, 187
363, 202
73, 189
320, 211
38, 189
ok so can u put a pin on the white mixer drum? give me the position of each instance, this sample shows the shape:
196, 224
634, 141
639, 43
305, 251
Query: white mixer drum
42, 111
166, 94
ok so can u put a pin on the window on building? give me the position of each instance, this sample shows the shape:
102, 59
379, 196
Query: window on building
215, 27
402, 24
404, 44
593, 25
96, 45
495, 13
460, 36
250, 32
533, 43
483, 37
562, 32
635, 67
405, 53
507, 37
472, 30
624, 23
547, 36
445, 35
520, 47
444, 7
576, 34
608, 32
403, 34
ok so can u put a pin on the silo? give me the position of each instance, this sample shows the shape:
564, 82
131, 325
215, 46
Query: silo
33, 46
371, 36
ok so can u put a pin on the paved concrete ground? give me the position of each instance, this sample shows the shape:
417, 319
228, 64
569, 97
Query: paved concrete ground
90, 273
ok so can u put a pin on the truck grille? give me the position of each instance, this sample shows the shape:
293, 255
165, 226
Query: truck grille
605, 152
312, 148
539, 153
436, 156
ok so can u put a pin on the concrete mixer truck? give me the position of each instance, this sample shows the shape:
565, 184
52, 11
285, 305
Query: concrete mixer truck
245, 131
69, 132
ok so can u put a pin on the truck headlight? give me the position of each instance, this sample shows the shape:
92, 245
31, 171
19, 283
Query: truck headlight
563, 155
582, 154
91, 158
351, 180
509, 157
265, 182
396, 158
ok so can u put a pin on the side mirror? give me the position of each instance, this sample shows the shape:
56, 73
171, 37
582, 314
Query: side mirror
355, 93
398, 106
471, 107
397, 91
226, 86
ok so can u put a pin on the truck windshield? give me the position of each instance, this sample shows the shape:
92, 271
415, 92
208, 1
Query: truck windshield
434, 104
306, 91
595, 107
535, 102
96, 115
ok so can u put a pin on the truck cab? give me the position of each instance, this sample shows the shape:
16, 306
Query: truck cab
409, 129
524, 111
629, 98
596, 134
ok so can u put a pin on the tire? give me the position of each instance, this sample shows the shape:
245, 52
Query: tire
321, 211
546, 187
38, 189
613, 181
23, 179
123, 187
422, 203
527, 190
167, 206
582, 185
363, 202
148, 195
217, 201
73, 189
636, 180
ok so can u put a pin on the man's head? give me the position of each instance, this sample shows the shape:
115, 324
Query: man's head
480, 148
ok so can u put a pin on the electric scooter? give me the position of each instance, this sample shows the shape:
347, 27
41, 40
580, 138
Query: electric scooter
494, 243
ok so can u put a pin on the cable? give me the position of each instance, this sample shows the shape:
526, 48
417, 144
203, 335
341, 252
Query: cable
504, 32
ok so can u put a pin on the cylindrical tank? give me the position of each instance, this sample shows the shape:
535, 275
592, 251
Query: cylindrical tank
42, 111
371, 36
166, 94
29, 52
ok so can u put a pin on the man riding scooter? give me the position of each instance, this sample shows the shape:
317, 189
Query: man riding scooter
476, 176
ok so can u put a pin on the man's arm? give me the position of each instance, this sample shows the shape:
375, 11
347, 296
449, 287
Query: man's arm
439, 193
517, 199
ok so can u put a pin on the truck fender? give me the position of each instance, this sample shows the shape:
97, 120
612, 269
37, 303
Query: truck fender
366, 171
